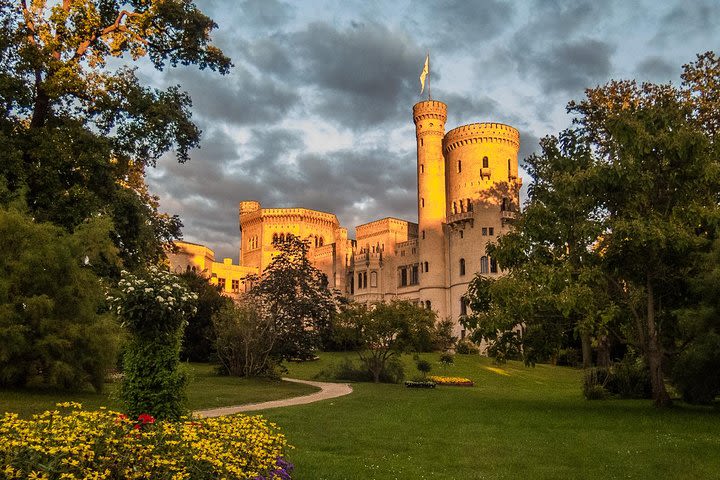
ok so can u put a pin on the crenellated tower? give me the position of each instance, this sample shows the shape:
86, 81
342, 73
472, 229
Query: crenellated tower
429, 117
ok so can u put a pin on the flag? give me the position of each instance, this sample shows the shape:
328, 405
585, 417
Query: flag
425, 73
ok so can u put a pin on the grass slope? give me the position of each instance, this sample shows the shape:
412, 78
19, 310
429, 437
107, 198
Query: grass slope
517, 422
205, 390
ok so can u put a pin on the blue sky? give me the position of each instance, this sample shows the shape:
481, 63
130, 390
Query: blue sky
317, 111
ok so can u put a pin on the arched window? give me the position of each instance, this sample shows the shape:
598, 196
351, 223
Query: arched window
188, 268
373, 279
322, 241
484, 265
428, 304
275, 237
463, 306
422, 202
462, 206
365, 279
282, 238
315, 238
454, 208
459, 166
493, 265
359, 281
426, 267
486, 162
462, 266
422, 168
509, 174
469, 205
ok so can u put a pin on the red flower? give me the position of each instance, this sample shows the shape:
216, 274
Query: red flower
146, 418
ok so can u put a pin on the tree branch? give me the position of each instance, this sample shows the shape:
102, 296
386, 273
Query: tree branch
29, 22
116, 26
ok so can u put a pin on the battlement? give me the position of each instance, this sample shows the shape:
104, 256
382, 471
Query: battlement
429, 109
248, 206
481, 132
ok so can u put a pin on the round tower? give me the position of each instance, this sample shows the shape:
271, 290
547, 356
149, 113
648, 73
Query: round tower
429, 117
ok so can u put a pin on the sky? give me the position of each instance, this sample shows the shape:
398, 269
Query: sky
317, 110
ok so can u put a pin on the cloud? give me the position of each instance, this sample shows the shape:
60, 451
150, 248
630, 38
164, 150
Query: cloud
686, 20
360, 76
657, 69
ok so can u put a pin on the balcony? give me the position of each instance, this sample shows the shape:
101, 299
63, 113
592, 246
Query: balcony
460, 218
485, 172
508, 215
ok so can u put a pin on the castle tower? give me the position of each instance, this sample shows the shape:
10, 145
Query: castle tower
429, 117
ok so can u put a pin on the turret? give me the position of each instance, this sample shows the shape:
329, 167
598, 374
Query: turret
429, 117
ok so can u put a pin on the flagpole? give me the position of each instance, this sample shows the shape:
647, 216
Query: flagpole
428, 56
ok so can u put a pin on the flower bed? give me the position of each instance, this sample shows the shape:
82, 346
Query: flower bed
410, 384
78, 444
457, 381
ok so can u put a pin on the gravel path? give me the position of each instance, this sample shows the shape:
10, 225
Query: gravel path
327, 390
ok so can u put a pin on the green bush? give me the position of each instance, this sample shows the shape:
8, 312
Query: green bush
348, 370
51, 333
568, 357
199, 339
630, 379
154, 307
594, 380
423, 367
465, 347
696, 374
596, 392
447, 358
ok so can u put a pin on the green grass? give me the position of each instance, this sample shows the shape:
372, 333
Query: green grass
205, 390
530, 423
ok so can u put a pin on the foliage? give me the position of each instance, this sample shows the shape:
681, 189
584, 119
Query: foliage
50, 330
594, 381
423, 367
627, 379
385, 330
466, 347
104, 444
347, 370
199, 340
295, 297
696, 374
419, 384
447, 358
154, 308
245, 340
77, 131
443, 338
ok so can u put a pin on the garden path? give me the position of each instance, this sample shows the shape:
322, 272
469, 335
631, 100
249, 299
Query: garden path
327, 390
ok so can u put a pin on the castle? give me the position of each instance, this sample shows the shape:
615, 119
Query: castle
468, 193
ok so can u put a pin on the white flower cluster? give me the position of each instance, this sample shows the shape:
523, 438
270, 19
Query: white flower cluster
159, 291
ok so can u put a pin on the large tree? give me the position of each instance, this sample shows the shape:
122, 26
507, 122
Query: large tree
79, 132
296, 296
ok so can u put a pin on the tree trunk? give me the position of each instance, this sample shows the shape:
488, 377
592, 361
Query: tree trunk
654, 353
603, 352
586, 349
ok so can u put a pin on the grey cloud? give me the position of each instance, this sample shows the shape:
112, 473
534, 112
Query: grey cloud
573, 66
657, 69
687, 19
363, 75
240, 98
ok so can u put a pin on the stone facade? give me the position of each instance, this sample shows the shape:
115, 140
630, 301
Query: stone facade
468, 193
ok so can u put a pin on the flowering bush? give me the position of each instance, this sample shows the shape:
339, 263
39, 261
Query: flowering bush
458, 381
154, 307
78, 444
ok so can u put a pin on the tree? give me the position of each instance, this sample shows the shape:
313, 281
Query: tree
50, 330
199, 341
77, 134
295, 295
385, 330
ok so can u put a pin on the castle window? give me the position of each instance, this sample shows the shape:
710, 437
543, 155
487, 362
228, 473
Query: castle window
421, 141
462, 233
373, 279
493, 266
484, 265
462, 266
188, 268
491, 231
282, 238
463, 306
509, 174
235, 286
414, 277
221, 283
403, 277
426, 267
364, 279
275, 237
486, 162
484, 231
504, 206
360, 281
423, 234
469, 205
459, 170
454, 208
428, 304
422, 168
322, 241
462, 206
422, 202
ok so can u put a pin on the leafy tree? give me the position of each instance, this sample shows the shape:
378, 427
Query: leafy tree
50, 330
386, 330
295, 295
79, 133
199, 341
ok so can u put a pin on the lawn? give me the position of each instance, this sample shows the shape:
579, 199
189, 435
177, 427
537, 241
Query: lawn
205, 390
516, 422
